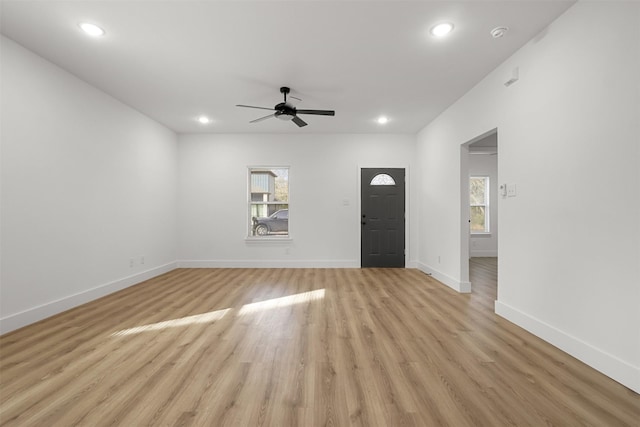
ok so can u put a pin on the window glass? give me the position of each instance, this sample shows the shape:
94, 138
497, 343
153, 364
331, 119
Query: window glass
268, 202
478, 223
479, 204
477, 193
383, 179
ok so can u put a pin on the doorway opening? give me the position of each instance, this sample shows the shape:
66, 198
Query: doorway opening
479, 204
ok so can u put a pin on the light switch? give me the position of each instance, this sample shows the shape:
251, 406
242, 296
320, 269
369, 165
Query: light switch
511, 190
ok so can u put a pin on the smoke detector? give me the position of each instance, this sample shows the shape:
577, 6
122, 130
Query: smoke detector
498, 32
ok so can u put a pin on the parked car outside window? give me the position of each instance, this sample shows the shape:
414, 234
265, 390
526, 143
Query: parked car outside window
276, 223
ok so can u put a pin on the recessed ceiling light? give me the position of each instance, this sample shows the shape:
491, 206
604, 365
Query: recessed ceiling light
204, 120
498, 32
92, 29
382, 120
442, 29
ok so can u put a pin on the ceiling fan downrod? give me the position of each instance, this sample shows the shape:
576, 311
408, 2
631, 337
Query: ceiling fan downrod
285, 91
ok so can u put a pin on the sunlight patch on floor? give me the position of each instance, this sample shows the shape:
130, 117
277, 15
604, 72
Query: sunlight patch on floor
209, 317
212, 316
281, 302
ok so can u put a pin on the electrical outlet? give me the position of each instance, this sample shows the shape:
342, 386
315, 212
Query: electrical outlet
142, 260
438, 259
131, 262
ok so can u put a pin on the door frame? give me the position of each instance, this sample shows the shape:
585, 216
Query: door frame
409, 262
465, 234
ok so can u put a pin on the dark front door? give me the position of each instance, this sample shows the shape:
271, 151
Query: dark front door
382, 217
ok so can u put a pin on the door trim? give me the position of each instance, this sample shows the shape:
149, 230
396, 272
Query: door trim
465, 235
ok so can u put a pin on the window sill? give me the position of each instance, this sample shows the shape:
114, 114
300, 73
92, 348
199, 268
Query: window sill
268, 239
481, 235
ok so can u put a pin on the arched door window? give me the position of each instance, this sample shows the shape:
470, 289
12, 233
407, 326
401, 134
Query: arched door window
382, 179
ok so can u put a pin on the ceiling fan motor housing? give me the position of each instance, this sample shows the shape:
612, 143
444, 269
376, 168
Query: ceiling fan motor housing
284, 111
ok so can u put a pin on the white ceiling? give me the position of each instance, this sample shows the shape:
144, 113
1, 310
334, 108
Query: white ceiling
175, 60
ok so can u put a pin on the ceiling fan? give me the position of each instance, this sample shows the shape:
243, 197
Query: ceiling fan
287, 111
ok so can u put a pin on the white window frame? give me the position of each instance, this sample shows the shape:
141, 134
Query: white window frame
249, 232
486, 205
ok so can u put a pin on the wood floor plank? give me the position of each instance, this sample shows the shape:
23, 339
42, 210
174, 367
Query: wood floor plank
298, 347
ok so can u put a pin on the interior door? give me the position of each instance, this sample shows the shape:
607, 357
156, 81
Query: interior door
382, 217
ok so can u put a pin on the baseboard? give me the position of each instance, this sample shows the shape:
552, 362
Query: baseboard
483, 254
462, 287
32, 315
616, 369
268, 264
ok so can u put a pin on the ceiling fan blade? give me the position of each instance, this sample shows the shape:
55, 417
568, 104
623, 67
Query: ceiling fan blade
292, 101
317, 112
252, 106
263, 118
297, 120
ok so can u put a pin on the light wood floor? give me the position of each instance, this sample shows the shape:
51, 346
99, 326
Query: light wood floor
298, 347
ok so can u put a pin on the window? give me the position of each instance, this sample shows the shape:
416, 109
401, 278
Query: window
479, 200
269, 202
382, 179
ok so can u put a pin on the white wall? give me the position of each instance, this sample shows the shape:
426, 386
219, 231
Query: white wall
569, 139
87, 184
324, 173
486, 245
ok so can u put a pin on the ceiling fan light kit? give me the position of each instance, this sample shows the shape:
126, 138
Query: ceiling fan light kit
287, 111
